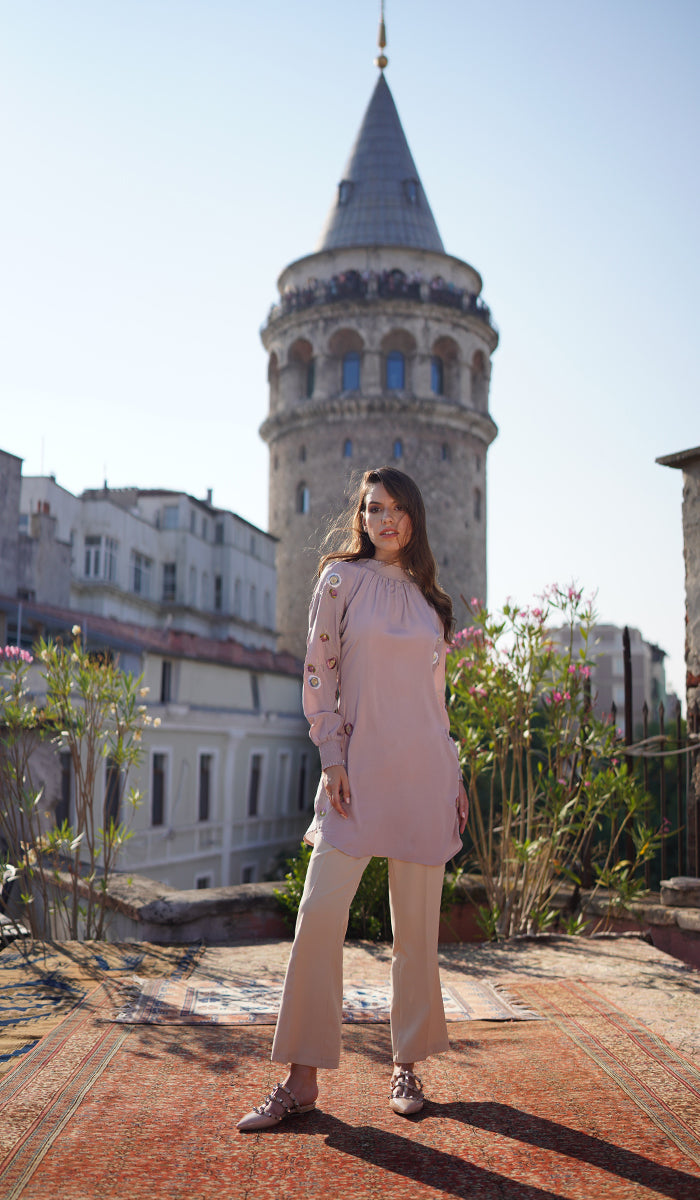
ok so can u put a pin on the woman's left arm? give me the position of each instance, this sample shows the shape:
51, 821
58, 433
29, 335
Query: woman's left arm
439, 679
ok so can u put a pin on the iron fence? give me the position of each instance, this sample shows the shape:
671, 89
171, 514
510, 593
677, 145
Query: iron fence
665, 759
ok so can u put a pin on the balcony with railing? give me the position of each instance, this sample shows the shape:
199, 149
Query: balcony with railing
369, 286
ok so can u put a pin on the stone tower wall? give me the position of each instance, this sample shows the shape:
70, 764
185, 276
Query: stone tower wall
443, 438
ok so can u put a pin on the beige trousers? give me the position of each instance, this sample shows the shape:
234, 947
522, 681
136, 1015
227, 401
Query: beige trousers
309, 1022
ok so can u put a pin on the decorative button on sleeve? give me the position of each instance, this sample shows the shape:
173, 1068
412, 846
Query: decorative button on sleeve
322, 666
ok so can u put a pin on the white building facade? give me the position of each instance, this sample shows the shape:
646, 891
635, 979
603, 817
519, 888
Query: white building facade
155, 557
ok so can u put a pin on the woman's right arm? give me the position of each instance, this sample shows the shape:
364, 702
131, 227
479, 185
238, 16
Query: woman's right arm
322, 682
322, 666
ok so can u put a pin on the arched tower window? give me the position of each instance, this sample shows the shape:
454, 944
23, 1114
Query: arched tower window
301, 371
437, 376
347, 448
398, 448
303, 498
302, 454
480, 383
398, 350
444, 368
346, 347
395, 371
273, 378
351, 371
477, 504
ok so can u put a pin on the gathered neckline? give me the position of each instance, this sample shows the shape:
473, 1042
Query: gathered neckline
390, 570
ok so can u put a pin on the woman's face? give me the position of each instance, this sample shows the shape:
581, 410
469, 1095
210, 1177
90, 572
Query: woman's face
387, 523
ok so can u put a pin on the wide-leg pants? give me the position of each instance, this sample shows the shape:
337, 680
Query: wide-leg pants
309, 1023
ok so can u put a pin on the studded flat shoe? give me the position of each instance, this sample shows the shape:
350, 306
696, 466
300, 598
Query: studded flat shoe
262, 1118
406, 1095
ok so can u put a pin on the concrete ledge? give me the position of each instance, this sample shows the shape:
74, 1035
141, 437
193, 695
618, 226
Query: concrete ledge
143, 909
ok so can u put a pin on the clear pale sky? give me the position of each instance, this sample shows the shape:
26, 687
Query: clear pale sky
163, 160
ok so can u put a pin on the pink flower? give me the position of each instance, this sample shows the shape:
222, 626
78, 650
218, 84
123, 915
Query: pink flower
572, 670
557, 697
567, 696
14, 654
537, 612
562, 781
586, 672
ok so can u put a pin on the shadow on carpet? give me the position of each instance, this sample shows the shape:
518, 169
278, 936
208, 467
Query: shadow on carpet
523, 1111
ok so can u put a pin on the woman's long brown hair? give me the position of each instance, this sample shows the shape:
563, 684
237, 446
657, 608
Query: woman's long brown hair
416, 557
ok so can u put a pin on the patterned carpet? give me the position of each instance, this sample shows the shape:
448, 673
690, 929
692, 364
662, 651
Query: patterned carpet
586, 1104
199, 1001
42, 984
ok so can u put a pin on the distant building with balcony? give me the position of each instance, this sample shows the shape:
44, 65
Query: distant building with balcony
152, 556
183, 594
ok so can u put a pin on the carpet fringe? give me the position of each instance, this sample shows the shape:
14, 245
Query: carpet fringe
524, 1013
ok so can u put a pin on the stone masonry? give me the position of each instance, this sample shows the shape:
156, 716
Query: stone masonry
370, 300
689, 462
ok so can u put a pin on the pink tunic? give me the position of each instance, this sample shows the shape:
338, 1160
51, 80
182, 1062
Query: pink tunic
374, 696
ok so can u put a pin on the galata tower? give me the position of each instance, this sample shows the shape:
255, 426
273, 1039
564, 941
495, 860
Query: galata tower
379, 352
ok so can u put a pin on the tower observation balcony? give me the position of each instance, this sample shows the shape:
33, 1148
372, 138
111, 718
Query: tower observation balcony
369, 286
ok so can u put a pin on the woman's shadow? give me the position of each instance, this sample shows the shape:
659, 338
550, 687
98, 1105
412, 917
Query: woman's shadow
453, 1174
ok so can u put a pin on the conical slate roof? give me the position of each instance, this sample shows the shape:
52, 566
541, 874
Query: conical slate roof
380, 200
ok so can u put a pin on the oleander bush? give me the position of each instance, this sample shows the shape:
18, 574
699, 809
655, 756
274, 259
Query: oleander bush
551, 800
370, 917
86, 707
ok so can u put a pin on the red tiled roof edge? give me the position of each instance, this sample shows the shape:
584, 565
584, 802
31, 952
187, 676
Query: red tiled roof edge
174, 642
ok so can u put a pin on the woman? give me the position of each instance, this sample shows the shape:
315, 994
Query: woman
374, 695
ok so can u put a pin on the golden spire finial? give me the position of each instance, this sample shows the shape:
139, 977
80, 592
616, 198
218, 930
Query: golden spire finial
381, 60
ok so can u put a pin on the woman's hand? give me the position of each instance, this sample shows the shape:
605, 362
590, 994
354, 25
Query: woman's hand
462, 807
337, 788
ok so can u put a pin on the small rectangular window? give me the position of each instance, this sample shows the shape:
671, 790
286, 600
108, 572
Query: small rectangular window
202, 881
169, 581
110, 559
158, 790
254, 785
218, 593
166, 681
112, 802
204, 799
219, 533
92, 557
140, 574
170, 513
249, 873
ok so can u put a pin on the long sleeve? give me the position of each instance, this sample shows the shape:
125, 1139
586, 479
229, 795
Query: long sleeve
322, 665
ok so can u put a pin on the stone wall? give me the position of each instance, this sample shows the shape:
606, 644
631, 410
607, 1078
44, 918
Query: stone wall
142, 909
691, 552
10, 486
44, 562
325, 440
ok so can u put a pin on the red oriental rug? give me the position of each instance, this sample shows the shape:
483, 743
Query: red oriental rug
586, 1104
